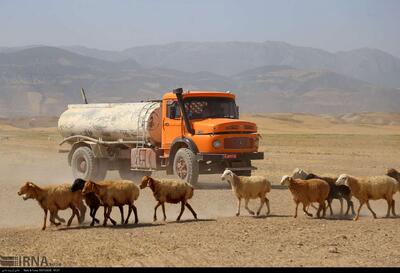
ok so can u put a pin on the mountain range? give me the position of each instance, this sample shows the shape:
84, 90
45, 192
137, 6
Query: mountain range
266, 77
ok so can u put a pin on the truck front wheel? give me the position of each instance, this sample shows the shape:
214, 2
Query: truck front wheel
86, 166
186, 166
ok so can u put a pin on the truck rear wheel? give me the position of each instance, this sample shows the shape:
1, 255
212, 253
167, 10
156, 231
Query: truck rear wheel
86, 166
125, 172
185, 166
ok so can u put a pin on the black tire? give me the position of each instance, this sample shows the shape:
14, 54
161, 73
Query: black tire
243, 173
86, 166
185, 166
126, 173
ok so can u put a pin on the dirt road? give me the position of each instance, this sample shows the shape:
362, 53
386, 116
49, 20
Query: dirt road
218, 238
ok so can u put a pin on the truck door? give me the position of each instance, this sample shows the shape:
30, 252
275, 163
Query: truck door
172, 124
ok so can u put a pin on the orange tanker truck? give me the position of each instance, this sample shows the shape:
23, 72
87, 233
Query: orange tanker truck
186, 134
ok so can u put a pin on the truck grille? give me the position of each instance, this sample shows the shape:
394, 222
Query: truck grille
238, 143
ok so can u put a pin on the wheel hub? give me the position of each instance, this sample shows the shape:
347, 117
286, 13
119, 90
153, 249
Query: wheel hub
181, 168
82, 165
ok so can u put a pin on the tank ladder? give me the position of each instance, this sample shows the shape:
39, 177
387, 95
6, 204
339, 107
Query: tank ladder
142, 124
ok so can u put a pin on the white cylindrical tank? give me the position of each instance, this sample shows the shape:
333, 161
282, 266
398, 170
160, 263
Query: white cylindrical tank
113, 121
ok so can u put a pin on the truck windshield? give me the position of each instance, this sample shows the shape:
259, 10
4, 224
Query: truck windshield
210, 107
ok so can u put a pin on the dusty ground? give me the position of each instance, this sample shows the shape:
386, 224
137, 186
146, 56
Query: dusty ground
359, 146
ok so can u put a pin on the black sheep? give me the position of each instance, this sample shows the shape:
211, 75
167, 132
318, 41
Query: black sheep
336, 192
92, 201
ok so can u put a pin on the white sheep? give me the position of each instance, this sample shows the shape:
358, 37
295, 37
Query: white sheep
371, 188
248, 187
306, 192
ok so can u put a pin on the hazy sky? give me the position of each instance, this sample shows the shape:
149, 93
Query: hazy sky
119, 24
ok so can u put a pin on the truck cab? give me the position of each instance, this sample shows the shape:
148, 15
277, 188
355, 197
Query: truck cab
202, 134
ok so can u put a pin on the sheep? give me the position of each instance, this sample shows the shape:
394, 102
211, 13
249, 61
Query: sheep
248, 188
306, 192
336, 192
371, 188
114, 193
93, 202
170, 191
54, 198
393, 173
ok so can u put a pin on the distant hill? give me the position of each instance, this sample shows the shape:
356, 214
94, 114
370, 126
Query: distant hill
286, 89
43, 80
228, 58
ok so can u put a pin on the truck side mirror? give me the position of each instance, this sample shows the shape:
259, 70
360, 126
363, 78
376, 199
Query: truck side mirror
237, 110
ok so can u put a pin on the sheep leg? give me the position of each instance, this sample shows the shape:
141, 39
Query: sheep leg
389, 203
329, 200
45, 218
105, 216
295, 211
155, 211
163, 211
121, 210
108, 216
369, 207
341, 206
349, 204
62, 220
52, 214
129, 214
262, 200
352, 206
93, 211
182, 209
304, 209
238, 208
94, 214
75, 211
323, 205
82, 211
393, 208
246, 202
267, 203
314, 207
191, 209
358, 211
135, 212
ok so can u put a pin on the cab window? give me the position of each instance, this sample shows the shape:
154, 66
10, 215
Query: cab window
173, 110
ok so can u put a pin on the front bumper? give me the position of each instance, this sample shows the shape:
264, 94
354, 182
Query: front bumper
230, 156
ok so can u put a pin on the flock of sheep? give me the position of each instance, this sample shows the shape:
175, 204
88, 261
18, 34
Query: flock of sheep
306, 188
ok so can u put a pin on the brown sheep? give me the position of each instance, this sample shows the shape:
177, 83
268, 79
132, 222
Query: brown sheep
306, 192
170, 191
53, 198
114, 193
93, 202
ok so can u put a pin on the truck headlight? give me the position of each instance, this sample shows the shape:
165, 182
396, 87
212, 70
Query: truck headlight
217, 144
